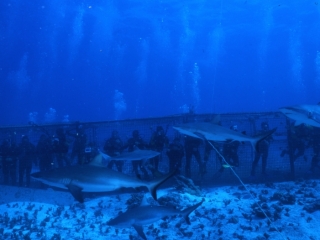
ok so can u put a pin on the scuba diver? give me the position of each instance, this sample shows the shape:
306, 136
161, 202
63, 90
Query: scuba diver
44, 150
175, 154
157, 143
9, 154
263, 151
113, 147
191, 146
60, 148
134, 142
230, 150
79, 144
27, 154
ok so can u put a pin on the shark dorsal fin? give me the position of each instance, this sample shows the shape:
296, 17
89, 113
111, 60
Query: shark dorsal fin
104, 155
100, 159
144, 201
185, 213
135, 148
201, 136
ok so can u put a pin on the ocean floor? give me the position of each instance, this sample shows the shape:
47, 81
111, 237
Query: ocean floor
232, 212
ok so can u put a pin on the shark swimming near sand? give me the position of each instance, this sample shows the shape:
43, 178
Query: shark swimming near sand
143, 215
94, 178
214, 132
303, 114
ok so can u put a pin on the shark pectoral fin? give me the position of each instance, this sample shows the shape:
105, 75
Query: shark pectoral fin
317, 120
136, 148
139, 230
297, 123
76, 192
201, 136
153, 185
185, 213
260, 138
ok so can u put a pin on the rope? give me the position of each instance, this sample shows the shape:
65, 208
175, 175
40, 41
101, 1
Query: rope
264, 213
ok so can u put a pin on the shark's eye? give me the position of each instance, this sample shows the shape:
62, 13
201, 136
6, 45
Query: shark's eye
309, 114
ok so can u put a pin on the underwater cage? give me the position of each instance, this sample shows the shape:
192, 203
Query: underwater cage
231, 209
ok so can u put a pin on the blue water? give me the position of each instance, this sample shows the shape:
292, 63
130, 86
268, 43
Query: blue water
104, 60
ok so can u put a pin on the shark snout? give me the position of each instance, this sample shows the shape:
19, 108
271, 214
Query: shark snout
288, 109
292, 109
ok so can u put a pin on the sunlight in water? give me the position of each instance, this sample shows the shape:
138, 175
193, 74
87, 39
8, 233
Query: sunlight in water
195, 86
20, 78
296, 63
77, 34
50, 116
120, 105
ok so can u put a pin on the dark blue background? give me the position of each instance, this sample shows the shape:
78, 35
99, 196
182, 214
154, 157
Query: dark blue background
220, 56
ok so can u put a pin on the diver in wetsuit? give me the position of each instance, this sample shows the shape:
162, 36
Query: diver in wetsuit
263, 151
113, 147
9, 154
191, 146
175, 154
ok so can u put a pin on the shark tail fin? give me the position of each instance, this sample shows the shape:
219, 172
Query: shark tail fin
261, 137
185, 213
153, 185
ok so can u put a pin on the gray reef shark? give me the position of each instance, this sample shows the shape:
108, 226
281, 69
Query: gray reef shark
303, 114
214, 132
94, 178
142, 215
